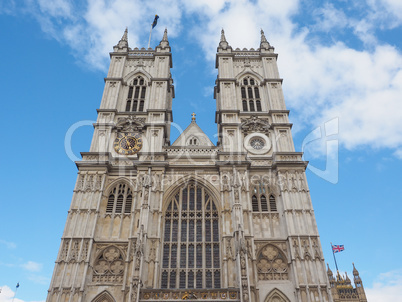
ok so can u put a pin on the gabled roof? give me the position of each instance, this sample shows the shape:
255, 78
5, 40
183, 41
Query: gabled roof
193, 136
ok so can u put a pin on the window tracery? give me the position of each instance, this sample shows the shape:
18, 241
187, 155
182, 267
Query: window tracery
120, 200
272, 264
136, 95
191, 248
250, 95
109, 266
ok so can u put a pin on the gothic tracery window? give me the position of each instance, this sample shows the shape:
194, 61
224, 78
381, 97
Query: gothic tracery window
136, 95
191, 248
259, 203
120, 200
250, 95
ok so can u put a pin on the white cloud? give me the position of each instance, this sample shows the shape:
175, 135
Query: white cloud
7, 295
8, 244
7, 7
387, 287
32, 266
56, 8
328, 17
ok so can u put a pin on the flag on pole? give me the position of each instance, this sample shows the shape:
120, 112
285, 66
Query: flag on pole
337, 248
18, 285
155, 21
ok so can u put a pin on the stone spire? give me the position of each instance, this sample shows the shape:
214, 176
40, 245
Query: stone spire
164, 42
223, 44
355, 271
223, 38
264, 44
124, 40
329, 272
356, 276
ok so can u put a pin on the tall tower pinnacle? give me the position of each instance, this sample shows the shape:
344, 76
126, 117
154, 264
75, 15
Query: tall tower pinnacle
264, 44
223, 43
123, 43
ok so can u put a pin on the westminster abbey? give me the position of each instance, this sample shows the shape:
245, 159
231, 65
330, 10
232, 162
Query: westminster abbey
154, 220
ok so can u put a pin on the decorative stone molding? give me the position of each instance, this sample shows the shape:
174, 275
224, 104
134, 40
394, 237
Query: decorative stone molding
89, 182
254, 124
130, 124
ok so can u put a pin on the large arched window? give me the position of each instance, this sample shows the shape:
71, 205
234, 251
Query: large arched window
250, 95
191, 251
136, 95
120, 200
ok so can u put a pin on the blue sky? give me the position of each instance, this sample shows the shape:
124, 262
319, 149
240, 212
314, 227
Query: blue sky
342, 67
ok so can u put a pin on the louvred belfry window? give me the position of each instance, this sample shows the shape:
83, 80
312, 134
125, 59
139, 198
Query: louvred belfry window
136, 95
191, 247
250, 95
120, 200
259, 203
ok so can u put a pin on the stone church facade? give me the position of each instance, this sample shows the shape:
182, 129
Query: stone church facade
152, 220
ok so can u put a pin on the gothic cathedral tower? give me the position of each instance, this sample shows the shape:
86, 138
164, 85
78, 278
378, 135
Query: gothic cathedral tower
150, 220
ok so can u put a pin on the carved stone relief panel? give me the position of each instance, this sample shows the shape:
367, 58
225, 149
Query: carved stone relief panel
109, 265
272, 263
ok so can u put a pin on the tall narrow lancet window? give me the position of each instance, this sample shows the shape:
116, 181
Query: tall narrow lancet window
250, 95
136, 95
120, 200
259, 202
191, 247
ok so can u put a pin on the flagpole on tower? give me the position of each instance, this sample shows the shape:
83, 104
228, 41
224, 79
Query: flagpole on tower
16, 288
152, 26
333, 253
150, 33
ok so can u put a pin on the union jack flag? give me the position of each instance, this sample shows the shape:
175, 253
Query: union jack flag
337, 248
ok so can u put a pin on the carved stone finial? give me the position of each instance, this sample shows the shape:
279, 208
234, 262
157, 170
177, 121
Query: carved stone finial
193, 117
263, 39
223, 38
223, 43
355, 271
164, 42
329, 270
264, 43
124, 40
165, 38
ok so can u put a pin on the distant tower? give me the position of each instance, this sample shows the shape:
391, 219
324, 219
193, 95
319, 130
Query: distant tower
155, 221
342, 288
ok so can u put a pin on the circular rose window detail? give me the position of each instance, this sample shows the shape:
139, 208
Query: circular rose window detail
257, 143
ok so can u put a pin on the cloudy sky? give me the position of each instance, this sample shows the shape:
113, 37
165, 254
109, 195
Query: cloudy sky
341, 62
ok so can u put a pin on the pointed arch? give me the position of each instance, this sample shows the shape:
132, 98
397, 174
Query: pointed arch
123, 180
272, 263
119, 196
109, 265
276, 295
177, 183
191, 249
250, 93
104, 296
135, 73
248, 72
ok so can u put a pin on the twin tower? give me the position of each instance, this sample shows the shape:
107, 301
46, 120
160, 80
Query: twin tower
152, 220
